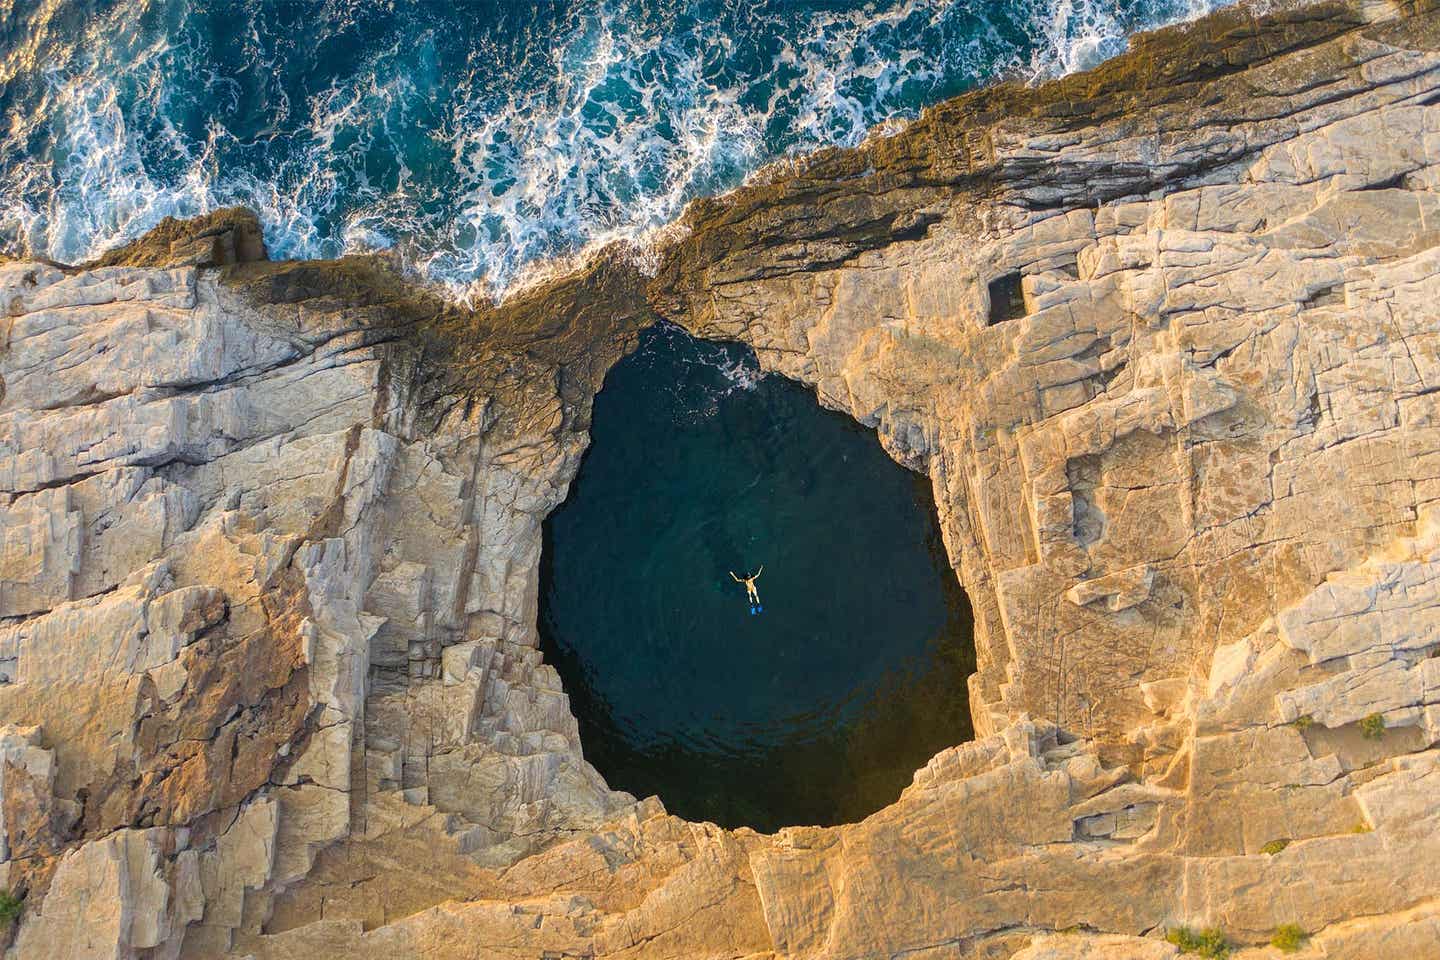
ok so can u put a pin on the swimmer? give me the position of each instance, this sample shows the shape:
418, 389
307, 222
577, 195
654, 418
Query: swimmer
750, 592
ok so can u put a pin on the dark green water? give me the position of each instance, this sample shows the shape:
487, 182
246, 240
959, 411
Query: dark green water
819, 709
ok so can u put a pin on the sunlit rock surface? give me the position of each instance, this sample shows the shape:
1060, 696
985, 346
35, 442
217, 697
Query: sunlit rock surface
1166, 338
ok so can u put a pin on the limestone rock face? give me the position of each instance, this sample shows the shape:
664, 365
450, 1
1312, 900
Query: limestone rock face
1165, 337
233, 567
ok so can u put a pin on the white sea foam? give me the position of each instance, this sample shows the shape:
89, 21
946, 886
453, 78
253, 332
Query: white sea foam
1079, 34
604, 131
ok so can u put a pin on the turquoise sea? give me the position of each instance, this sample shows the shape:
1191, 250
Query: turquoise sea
477, 136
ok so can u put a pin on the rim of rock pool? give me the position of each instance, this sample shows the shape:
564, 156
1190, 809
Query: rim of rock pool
848, 745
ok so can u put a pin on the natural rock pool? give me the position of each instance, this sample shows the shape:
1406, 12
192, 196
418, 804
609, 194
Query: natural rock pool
819, 709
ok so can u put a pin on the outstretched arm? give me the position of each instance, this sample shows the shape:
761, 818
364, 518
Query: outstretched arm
758, 572
735, 578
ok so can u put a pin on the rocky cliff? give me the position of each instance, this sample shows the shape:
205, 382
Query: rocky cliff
1166, 338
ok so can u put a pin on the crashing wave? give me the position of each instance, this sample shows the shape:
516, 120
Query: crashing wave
478, 148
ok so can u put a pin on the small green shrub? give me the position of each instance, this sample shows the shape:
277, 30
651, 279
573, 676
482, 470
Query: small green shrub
1303, 722
1274, 847
1209, 943
1288, 937
9, 907
1372, 727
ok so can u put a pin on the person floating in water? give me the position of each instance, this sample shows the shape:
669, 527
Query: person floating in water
750, 592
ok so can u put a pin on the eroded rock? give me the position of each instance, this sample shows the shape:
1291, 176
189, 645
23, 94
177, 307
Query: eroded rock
270, 534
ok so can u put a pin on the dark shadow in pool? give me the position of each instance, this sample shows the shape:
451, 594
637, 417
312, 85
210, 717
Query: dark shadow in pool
819, 709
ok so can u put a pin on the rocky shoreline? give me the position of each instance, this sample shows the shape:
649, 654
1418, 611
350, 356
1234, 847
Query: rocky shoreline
1165, 338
